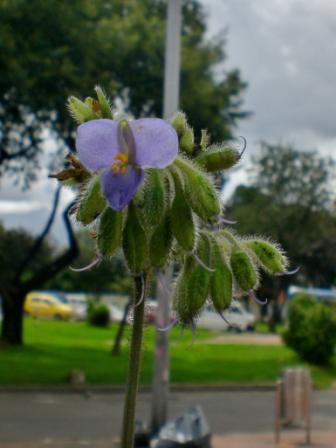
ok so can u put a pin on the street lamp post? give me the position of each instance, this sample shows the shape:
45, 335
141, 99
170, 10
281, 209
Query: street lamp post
170, 106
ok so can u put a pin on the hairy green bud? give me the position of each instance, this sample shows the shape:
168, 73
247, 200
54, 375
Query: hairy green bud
134, 243
221, 280
243, 270
109, 231
179, 122
182, 221
161, 242
181, 304
269, 255
105, 106
187, 141
191, 291
201, 193
153, 197
218, 158
92, 202
80, 111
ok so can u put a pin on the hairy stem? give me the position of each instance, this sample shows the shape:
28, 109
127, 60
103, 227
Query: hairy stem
127, 436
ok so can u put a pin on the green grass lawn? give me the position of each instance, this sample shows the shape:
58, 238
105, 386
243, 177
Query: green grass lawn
52, 349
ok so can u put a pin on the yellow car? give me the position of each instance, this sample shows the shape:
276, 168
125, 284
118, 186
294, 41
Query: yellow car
47, 305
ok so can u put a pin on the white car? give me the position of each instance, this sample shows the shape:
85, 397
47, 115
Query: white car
116, 313
236, 317
79, 307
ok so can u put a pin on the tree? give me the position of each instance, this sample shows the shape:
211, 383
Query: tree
66, 48
290, 199
27, 264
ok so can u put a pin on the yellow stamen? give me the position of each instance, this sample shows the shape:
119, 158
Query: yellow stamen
122, 157
121, 165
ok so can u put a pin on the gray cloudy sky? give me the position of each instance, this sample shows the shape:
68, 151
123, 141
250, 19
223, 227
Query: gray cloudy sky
286, 50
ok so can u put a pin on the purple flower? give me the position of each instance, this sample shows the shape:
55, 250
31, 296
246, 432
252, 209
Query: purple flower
121, 151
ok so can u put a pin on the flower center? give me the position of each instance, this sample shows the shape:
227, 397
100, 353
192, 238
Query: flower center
120, 166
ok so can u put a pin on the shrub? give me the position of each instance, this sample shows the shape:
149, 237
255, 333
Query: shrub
98, 315
311, 329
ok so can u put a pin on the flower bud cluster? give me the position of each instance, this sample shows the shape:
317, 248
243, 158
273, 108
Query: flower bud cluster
175, 216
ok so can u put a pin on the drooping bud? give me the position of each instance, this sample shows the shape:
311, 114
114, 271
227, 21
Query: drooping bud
161, 242
153, 197
80, 111
92, 202
135, 243
179, 122
221, 280
109, 231
243, 270
180, 301
218, 158
105, 106
200, 191
182, 221
191, 291
187, 141
269, 255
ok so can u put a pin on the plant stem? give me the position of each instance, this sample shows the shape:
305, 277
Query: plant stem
127, 436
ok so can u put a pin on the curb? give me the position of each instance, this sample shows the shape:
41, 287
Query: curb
120, 389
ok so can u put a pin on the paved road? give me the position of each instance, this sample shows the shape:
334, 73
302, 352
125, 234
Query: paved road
47, 418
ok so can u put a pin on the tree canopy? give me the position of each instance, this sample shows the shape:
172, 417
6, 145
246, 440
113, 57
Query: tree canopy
49, 50
290, 199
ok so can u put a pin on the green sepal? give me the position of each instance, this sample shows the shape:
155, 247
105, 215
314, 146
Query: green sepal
221, 280
92, 202
109, 231
153, 197
192, 286
190, 291
182, 221
80, 111
134, 242
218, 159
187, 141
179, 123
105, 106
161, 242
243, 270
269, 255
201, 193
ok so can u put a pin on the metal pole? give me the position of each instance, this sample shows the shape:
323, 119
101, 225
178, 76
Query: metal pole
172, 59
170, 106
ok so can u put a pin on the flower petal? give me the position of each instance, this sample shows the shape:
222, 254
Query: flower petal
97, 143
156, 142
119, 188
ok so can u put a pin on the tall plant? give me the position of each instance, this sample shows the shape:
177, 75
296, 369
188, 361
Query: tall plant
146, 186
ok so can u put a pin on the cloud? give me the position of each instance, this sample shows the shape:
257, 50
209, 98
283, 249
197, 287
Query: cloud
284, 50
19, 206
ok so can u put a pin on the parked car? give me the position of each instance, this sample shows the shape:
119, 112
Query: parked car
79, 306
236, 317
116, 313
47, 305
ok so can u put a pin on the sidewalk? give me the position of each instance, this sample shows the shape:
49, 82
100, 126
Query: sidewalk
289, 439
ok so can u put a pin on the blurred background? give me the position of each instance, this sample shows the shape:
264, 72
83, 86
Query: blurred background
262, 70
